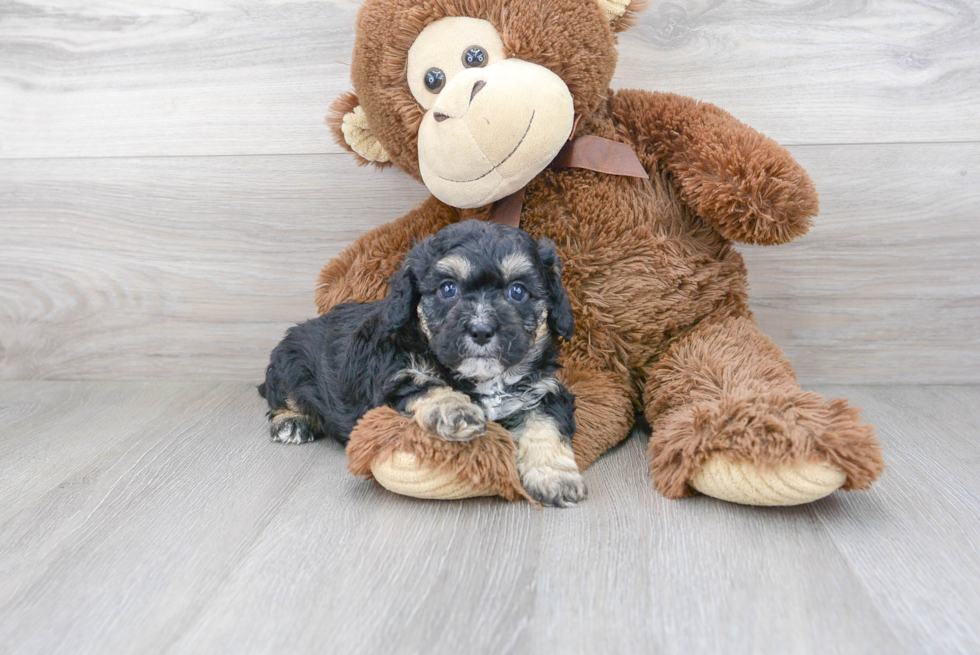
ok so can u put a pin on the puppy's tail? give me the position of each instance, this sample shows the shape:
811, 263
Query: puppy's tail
261, 389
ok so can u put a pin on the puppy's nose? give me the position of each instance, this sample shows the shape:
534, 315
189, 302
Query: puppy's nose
482, 333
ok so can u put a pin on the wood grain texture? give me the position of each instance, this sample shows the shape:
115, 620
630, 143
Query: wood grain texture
98, 79
98, 418
924, 512
164, 521
844, 71
155, 267
886, 286
168, 192
192, 267
198, 77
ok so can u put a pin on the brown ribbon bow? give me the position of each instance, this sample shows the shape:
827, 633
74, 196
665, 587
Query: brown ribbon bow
590, 152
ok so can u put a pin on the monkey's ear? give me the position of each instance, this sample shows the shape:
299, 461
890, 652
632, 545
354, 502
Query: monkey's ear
621, 13
351, 131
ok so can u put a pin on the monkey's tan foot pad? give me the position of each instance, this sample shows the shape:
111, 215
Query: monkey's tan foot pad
409, 460
403, 473
747, 484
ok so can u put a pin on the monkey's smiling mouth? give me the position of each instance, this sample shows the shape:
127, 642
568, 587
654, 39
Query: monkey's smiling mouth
501, 162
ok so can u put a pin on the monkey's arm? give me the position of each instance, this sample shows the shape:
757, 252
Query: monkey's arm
360, 272
745, 184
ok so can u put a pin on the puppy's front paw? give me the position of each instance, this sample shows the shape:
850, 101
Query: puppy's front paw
450, 414
288, 426
554, 486
462, 422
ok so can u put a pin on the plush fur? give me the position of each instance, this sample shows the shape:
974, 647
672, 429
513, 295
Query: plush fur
657, 291
488, 463
469, 332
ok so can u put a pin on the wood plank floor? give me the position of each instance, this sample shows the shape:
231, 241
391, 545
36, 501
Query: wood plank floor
157, 518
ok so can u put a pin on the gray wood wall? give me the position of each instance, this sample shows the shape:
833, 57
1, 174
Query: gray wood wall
168, 190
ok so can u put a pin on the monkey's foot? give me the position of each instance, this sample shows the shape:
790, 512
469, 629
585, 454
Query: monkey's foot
404, 473
776, 447
409, 460
780, 484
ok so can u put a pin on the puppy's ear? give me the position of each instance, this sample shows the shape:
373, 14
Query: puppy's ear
560, 318
403, 296
403, 288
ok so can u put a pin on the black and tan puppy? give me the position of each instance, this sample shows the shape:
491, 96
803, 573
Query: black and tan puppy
467, 334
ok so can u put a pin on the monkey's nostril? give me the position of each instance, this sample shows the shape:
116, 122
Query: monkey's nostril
476, 89
439, 116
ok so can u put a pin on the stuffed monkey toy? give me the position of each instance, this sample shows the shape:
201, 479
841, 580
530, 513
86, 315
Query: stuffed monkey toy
502, 108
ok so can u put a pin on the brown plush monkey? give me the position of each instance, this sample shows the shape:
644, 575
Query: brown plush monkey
476, 99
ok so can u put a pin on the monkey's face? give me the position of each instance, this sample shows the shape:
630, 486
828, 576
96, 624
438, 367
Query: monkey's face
492, 123
476, 97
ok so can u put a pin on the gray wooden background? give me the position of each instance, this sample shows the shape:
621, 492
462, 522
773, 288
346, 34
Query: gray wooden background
168, 189
168, 193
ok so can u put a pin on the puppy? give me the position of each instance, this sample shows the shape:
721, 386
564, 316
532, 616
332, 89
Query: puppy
467, 334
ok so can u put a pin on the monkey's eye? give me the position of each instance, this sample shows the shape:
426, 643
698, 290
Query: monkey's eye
447, 290
435, 79
518, 292
475, 57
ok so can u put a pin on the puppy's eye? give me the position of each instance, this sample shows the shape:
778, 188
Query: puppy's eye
435, 79
447, 290
518, 292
